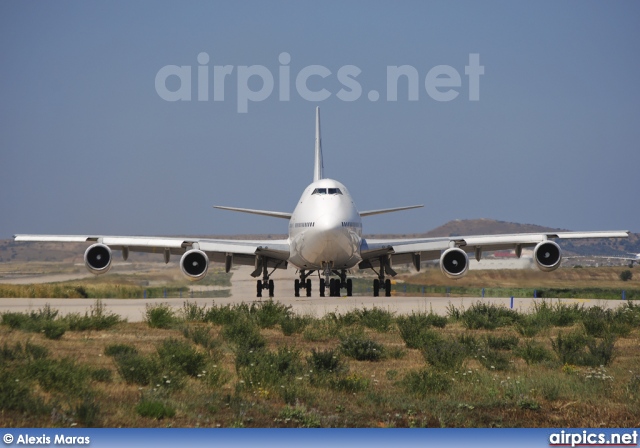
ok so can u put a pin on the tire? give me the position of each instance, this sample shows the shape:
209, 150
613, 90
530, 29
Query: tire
376, 288
271, 288
322, 287
308, 287
259, 288
296, 288
387, 288
349, 288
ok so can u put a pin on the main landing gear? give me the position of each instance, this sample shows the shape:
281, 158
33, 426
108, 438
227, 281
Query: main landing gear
382, 283
303, 283
266, 283
335, 285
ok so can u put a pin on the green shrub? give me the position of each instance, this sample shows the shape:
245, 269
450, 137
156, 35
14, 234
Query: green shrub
494, 360
16, 395
160, 316
102, 375
531, 325
414, 329
501, 342
269, 313
244, 334
425, 382
326, 361
297, 417
570, 347
533, 352
361, 348
376, 318
155, 409
262, 367
59, 375
120, 349
180, 355
137, 369
351, 383
191, 312
88, 411
488, 316
626, 275
53, 330
96, 319
201, 336
294, 324
445, 354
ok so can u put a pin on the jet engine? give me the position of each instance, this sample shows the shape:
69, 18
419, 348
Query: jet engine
194, 264
98, 258
547, 256
454, 263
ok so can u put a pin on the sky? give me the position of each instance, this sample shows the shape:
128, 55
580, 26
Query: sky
135, 118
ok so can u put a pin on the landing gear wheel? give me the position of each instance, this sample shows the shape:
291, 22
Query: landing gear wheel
322, 287
308, 287
376, 288
271, 288
259, 288
296, 288
387, 288
349, 288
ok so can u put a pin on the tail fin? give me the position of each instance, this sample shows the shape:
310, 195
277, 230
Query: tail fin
318, 165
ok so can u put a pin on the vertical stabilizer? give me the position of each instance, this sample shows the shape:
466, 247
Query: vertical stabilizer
318, 166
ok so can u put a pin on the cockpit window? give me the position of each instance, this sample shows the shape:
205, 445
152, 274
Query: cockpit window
327, 191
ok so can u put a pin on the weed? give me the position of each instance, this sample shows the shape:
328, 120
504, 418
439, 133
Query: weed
120, 349
267, 314
414, 329
501, 342
160, 316
376, 318
102, 375
62, 375
244, 334
155, 409
88, 411
445, 354
326, 361
488, 316
137, 369
191, 312
533, 352
361, 348
180, 355
53, 330
263, 367
494, 360
570, 347
294, 324
201, 336
351, 383
425, 382
297, 417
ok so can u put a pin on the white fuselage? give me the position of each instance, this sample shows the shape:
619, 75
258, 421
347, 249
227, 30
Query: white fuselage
325, 229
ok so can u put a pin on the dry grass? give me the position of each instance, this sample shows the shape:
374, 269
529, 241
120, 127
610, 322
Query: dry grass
546, 394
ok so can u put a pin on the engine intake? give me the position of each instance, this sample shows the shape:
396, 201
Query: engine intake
454, 263
547, 256
97, 258
194, 264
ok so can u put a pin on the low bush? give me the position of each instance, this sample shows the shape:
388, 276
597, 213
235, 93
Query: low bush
425, 382
160, 316
155, 409
361, 348
445, 354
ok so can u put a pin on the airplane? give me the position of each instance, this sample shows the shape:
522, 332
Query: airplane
324, 237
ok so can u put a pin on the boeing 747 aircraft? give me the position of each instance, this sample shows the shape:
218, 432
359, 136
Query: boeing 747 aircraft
325, 237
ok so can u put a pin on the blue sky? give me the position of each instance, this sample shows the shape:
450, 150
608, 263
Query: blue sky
87, 144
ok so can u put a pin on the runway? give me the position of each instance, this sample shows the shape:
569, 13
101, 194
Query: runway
243, 290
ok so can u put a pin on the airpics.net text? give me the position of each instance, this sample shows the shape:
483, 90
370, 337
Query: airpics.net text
255, 83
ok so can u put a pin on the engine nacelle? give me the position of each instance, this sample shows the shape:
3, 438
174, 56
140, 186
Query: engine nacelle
97, 258
547, 255
454, 263
194, 264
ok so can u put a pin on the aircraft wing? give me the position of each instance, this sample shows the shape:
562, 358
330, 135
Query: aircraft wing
243, 251
404, 251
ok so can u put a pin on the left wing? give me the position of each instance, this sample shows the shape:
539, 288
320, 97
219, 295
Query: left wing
380, 252
243, 252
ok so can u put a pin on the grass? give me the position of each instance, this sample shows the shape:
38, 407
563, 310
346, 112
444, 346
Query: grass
238, 366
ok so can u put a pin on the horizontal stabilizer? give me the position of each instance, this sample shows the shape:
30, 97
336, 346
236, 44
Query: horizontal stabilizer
256, 212
388, 210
